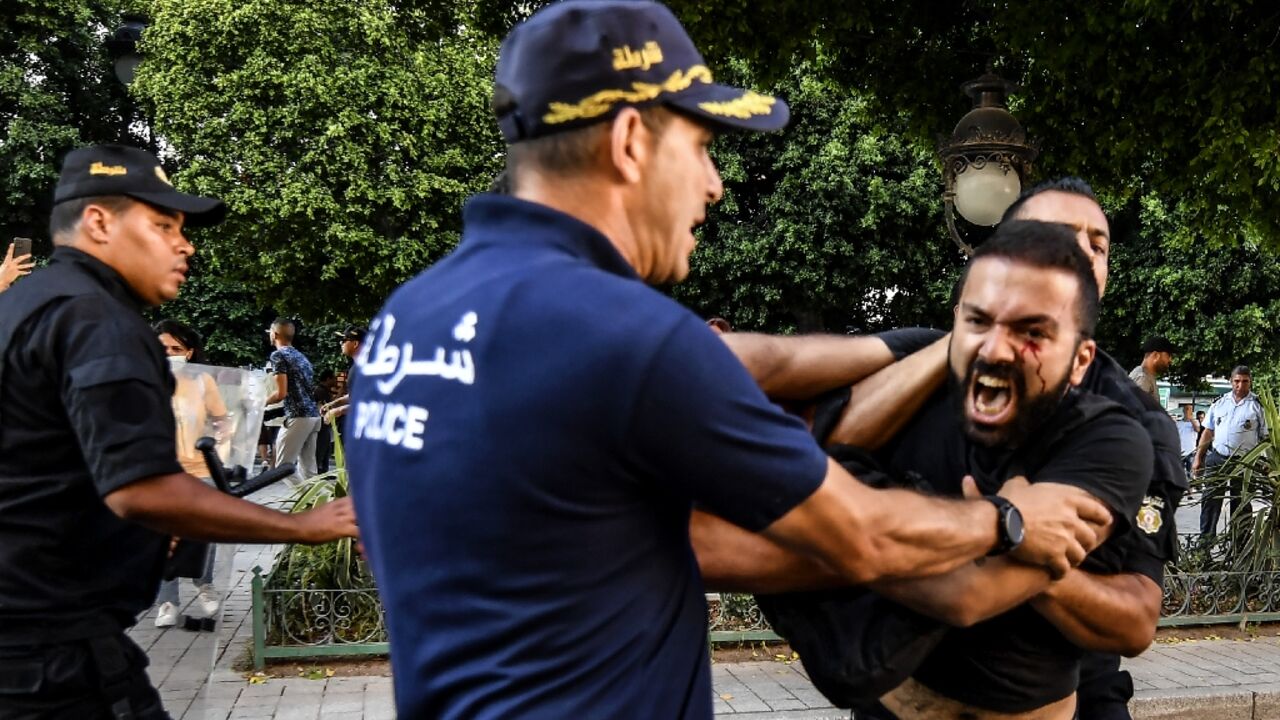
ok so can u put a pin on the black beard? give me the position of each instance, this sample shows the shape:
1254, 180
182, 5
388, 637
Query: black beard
1028, 416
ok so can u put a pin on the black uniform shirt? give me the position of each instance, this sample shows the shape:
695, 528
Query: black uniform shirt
1153, 542
84, 410
1018, 661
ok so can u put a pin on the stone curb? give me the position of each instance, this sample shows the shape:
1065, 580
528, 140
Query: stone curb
1248, 702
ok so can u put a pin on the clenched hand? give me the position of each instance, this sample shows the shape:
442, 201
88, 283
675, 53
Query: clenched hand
1062, 523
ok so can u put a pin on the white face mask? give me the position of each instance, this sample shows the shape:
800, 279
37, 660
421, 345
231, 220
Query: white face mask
176, 361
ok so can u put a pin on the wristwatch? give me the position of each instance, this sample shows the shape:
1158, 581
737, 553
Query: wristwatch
1009, 528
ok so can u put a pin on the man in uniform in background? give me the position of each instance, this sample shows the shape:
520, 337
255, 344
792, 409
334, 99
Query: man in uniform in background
532, 422
349, 344
90, 487
1236, 424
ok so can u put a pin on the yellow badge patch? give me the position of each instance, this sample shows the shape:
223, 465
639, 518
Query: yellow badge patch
624, 58
1149, 518
163, 178
100, 169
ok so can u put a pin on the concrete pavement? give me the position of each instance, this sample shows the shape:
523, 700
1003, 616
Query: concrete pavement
194, 672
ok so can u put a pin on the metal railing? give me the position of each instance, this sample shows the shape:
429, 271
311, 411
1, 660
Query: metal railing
310, 623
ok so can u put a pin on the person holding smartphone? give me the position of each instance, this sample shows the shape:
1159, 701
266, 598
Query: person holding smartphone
17, 262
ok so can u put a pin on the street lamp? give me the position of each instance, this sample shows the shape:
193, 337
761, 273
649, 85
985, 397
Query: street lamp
986, 160
123, 47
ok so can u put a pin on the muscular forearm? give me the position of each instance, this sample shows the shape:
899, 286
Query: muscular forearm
183, 506
800, 367
735, 560
1110, 613
868, 535
969, 594
880, 405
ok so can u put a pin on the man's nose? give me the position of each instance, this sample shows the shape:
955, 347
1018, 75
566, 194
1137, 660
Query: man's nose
715, 188
998, 346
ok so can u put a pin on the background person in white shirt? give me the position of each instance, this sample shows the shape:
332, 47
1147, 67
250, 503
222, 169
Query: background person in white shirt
1235, 425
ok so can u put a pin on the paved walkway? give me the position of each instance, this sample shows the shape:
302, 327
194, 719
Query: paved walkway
1193, 679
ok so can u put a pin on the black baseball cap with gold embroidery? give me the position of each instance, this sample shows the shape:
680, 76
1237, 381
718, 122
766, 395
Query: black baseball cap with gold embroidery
121, 170
577, 62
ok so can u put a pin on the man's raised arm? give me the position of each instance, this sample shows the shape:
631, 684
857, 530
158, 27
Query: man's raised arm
883, 403
863, 535
803, 366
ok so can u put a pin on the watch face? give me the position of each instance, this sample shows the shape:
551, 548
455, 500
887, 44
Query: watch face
1013, 523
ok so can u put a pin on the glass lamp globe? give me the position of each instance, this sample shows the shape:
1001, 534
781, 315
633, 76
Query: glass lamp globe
983, 194
126, 66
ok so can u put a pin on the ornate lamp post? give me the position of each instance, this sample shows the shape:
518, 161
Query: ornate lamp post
986, 160
123, 47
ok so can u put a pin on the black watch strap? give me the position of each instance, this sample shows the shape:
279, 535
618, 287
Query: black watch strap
1005, 534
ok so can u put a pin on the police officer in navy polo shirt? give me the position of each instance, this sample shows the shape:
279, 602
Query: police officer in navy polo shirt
90, 487
533, 423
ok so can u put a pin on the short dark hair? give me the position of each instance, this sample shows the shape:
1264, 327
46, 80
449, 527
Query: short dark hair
184, 334
1068, 184
66, 215
572, 150
1242, 370
285, 327
1044, 245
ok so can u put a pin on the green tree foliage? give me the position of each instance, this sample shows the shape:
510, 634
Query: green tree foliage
343, 141
57, 92
1175, 97
1171, 96
1219, 304
831, 224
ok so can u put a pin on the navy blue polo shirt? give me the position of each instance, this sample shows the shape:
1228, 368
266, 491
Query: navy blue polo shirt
532, 425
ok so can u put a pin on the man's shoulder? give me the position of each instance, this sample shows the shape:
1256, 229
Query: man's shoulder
94, 319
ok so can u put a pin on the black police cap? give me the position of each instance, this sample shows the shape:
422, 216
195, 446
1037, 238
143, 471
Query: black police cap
578, 62
352, 332
120, 170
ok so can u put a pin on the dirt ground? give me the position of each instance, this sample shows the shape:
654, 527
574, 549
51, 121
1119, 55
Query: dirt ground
747, 652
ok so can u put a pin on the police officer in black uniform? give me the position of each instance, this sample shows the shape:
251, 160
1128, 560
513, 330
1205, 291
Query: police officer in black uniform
90, 487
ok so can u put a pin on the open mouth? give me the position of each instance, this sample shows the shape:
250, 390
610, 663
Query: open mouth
991, 399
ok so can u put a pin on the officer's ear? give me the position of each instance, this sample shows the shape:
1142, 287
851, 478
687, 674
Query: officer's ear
630, 145
1085, 351
98, 220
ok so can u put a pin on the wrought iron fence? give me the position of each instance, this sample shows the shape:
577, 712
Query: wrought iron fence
322, 623
1213, 598
308, 622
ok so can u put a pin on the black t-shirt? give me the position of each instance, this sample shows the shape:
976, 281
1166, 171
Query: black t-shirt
1019, 661
86, 410
1155, 539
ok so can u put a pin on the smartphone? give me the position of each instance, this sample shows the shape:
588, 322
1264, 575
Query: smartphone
21, 246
